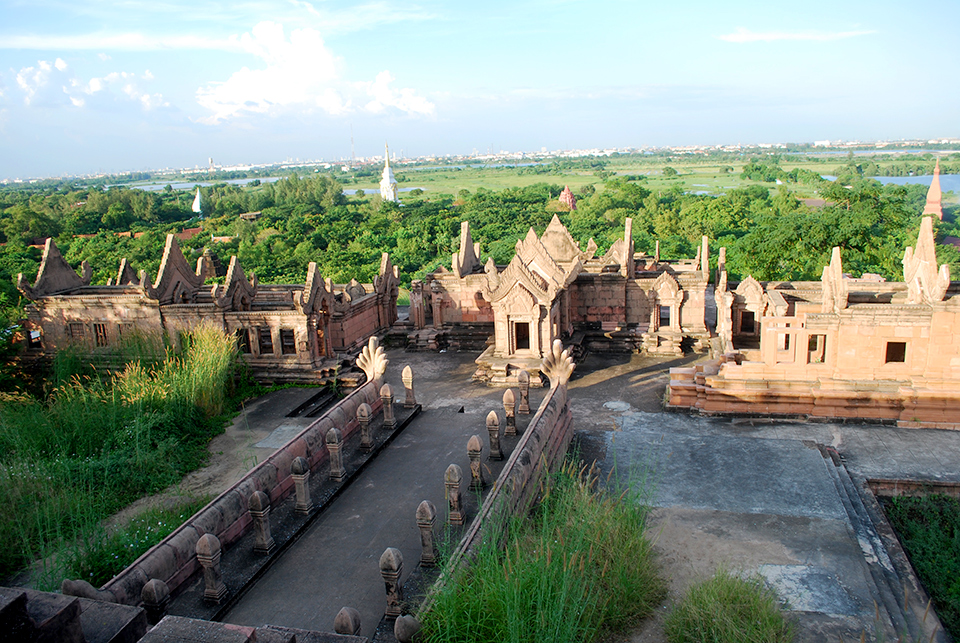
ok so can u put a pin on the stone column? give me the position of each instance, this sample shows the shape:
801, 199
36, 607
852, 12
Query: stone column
407, 376
426, 517
300, 472
347, 622
493, 429
417, 313
334, 441
260, 512
510, 411
474, 448
437, 302
208, 555
391, 566
364, 412
386, 395
155, 596
451, 480
523, 379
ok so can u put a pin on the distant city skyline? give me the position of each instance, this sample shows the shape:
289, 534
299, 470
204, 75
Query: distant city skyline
108, 86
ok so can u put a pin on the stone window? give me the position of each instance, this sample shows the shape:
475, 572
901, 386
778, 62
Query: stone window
243, 340
100, 334
75, 330
664, 316
35, 339
896, 352
816, 349
265, 339
288, 341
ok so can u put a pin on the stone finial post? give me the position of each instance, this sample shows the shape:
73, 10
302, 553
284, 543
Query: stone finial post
386, 395
493, 429
373, 360
426, 517
474, 449
523, 380
510, 411
347, 622
406, 376
260, 512
300, 472
155, 596
391, 566
451, 481
417, 313
208, 555
364, 412
558, 365
406, 628
334, 442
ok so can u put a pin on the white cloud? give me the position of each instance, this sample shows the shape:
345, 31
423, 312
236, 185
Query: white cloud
404, 99
299, 72
742, 34
54, 84
104, 57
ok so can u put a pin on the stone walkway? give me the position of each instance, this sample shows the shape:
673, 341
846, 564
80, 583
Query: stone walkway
756, 496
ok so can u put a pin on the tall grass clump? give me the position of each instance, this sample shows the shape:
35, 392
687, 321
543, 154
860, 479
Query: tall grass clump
102, 439
728, 609
929, 529
579, 568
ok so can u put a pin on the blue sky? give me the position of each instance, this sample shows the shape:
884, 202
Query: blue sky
103, 85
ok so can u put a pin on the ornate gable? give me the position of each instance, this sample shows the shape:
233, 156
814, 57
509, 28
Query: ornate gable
751, 292
925, 284
389, 278
176, 283
516, 273
126, 275
666, 287
315, 295
835, 289
237, 293
559, 244
535, 256
55, 275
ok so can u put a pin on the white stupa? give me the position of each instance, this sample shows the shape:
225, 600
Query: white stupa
388, 184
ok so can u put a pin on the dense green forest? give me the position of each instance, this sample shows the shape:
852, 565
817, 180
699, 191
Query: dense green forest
768, 232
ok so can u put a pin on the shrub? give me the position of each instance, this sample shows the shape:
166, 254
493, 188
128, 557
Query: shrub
728, 609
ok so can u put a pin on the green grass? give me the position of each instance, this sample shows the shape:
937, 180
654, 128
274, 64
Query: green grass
581, 567
728, 609
929, 529
99, 442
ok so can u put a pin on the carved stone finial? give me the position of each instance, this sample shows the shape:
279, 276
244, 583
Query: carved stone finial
373, 360
558, 365
364, 413
523, 381
406, 629
334, 440
451, 480
259, 506
391, 567
386, 396
510, 411
474, 451
300, 472
406, 376
493, 430
426, 517
155, 596
208, 555
347, 622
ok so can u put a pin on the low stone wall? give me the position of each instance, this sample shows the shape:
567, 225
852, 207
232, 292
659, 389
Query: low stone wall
227, 517
722, 387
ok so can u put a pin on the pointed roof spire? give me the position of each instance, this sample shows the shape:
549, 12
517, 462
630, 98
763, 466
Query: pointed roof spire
386, 153
934, 194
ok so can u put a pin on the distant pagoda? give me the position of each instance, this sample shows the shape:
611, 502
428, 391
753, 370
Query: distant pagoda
567, 198
935, 195
388, 184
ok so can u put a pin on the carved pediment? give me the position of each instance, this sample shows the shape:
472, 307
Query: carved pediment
559, 244
751, 292
176, 282
354, 290
925, 282
666, 287
466, 260
126, 275
388, 280
835, 289
237, 293
55, 275
517, 274
315, 295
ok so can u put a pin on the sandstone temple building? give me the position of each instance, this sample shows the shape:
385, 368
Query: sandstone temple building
286, 332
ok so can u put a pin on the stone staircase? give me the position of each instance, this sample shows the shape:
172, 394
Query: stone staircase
894, 586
